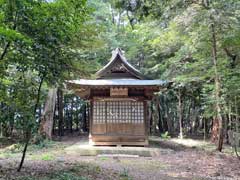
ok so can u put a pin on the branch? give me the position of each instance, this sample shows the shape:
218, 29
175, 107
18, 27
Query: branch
229, 53
232, 56
5, 50
130, 20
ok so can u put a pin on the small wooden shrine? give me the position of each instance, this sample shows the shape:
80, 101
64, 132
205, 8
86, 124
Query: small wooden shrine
118, 103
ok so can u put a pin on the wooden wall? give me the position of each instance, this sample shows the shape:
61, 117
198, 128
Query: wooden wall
118, 121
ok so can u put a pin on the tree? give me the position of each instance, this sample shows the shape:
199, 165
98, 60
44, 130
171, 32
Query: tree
46, 121
36, 39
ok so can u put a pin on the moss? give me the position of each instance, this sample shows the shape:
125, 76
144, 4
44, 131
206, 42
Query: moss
104, 158
47, 157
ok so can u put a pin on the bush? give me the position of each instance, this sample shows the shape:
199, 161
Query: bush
165, 135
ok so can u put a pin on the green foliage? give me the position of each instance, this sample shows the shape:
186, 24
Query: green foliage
165, 135
175, 39
14, 148
37, 53
48, 42
47, 157
41, 143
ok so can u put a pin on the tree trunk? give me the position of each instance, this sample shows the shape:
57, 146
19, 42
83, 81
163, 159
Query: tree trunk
112, 14
71, 115
66, 118
46, 125
160, 116
29, 130
168, 117
217, 90
54, 118
237, 115
180, 113
60, 112
204, 130
149, 117
155, 116
77, 115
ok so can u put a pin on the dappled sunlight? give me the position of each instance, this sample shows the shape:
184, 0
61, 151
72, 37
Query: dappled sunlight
84, 149
190, 142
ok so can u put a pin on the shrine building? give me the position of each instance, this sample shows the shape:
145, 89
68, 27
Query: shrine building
118, 100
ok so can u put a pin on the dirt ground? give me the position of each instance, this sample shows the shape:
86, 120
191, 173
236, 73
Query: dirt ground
176, 161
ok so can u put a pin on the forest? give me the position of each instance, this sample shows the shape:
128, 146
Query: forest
192, 44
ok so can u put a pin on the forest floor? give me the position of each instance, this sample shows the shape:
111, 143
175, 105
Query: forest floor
187, 159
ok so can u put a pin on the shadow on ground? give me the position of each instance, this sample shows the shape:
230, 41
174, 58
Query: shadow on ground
157, 142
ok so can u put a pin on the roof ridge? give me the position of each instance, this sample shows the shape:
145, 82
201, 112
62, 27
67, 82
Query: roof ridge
119, 52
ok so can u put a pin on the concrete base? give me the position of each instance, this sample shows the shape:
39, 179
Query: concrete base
105, 140
90, 150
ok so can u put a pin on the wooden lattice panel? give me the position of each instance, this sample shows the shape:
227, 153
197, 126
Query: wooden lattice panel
99, 112
113, 112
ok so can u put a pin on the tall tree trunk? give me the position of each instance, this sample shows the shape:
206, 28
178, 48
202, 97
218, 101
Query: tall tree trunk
160, 116
217, 90
149, 117
189, 109
54, 117
77, 115
155, 115
46, 125
71, 115
119, 20
162, 111
112, 14
204, 129
237, 115
66, 118
131, 20
180, 113
60, 112
167, 116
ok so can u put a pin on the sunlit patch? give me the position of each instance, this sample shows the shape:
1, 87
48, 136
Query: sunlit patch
189, 142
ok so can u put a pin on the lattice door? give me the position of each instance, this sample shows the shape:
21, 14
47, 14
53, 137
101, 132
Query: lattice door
118, 117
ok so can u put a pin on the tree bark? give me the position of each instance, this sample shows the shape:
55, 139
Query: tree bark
28, 137
233, 58
46, 125
112, 14
160, 116
237, 115
155, 116
217, 90
180, 113
167, 116
71, 115
60, 112
204, 129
